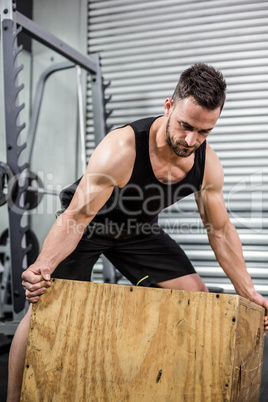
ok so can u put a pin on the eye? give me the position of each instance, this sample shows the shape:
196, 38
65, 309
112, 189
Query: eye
205, 132
186, 127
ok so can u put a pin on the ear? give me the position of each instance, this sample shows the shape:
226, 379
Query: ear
168, 106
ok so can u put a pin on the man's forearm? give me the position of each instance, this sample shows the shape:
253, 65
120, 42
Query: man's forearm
61, 241
228, 251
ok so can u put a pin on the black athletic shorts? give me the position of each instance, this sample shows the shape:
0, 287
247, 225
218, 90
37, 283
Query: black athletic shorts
144, 259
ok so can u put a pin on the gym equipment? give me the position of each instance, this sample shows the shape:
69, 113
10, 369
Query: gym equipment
33, 193
28, 190
128, 343
6, 307
8, 184
9, 188
31, 240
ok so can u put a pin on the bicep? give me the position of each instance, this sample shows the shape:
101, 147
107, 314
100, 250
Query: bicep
210, 200
212, 209
91, 194
107, 168
94, 189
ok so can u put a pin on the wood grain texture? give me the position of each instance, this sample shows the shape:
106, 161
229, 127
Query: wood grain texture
102, 342
248, 353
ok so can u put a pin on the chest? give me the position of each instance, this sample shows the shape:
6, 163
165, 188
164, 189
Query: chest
170, 172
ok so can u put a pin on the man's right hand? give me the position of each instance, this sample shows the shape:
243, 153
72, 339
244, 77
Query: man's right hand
35, 280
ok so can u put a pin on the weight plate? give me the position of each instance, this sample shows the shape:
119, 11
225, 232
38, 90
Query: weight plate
8, 184
33, 196
30, 239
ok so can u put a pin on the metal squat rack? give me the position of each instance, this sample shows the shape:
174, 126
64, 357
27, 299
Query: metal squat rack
15, 251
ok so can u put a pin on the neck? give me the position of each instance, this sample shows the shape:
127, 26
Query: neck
158, 142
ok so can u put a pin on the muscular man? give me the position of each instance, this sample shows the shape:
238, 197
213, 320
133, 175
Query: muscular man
134, 173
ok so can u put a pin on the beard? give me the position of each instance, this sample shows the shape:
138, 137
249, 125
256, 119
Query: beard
179, 147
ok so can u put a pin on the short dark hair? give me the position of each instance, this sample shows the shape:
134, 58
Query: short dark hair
204, 83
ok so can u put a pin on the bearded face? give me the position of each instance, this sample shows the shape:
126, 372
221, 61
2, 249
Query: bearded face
179, 147
188, 125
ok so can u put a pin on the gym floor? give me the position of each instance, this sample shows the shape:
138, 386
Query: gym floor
4, 349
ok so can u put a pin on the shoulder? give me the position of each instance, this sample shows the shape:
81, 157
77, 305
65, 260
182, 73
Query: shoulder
120, 137
213, 174
115, 155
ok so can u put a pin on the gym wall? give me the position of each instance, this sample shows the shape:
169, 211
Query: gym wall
144, 47
55, 154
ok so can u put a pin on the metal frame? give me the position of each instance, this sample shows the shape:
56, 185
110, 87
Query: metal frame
92, 65
38, 98
12, 24
4, 306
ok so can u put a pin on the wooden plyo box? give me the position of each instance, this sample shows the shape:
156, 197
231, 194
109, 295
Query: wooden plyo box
102, 342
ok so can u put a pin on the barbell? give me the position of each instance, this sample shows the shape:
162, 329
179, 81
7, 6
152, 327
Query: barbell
9, 188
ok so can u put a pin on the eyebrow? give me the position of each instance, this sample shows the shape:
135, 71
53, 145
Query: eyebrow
189, 125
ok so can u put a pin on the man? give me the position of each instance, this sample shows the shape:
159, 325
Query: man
134, 173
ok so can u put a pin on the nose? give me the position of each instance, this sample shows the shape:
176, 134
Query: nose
191, 138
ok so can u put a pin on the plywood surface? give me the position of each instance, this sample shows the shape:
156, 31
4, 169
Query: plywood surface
248, 353
100, 342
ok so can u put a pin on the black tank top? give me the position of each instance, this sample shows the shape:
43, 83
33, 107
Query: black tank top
144, 197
